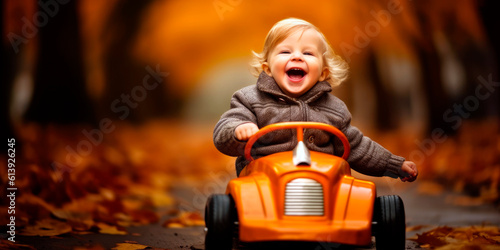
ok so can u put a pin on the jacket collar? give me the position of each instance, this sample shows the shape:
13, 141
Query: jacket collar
267, 84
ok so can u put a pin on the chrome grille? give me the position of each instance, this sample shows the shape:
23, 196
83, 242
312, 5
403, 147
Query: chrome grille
304, 196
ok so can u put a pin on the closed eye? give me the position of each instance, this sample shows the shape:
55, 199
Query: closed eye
285, 52
308, 53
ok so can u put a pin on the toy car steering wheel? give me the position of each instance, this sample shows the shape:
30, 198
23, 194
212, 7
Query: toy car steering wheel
300, 126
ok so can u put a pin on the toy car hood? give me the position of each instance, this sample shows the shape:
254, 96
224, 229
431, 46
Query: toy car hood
278, 200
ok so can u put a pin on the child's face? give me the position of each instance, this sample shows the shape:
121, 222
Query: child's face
296, 63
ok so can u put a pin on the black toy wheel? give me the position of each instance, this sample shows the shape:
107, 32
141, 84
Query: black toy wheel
390, 227
220, 216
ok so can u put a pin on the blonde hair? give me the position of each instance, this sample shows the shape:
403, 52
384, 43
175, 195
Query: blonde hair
337, 67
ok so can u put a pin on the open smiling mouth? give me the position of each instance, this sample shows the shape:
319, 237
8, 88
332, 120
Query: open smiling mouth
295, 74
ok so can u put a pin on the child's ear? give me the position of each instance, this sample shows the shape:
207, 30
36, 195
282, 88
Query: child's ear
324, 74
266, 69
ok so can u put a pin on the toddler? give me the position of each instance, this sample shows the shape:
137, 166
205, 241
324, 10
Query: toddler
297, 70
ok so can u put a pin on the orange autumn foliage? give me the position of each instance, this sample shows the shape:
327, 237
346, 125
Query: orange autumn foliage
467, 162
447, 238
123, 181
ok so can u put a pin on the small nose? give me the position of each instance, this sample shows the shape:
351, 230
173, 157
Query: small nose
297, 56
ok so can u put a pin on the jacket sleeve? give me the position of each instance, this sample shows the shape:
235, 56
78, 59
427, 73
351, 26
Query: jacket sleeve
239, 113
367, 156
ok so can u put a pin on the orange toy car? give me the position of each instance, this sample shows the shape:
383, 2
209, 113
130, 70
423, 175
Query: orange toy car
302, 196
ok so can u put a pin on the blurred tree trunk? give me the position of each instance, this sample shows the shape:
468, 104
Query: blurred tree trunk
59, 83
8, 73
125, 73
436, 98
16, 52
385, 109
489, 18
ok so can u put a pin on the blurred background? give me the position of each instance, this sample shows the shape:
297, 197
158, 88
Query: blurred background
117, 99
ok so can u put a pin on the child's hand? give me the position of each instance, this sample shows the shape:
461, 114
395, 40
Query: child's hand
409, 168
245, 131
